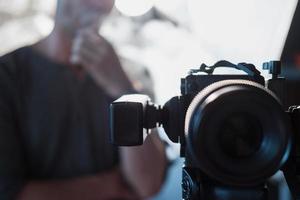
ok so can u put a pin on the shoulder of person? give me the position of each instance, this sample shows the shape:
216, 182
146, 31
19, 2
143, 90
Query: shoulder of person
10, 83
12, 67
13, 62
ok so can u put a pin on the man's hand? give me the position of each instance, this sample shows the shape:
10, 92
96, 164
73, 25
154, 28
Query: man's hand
96, 56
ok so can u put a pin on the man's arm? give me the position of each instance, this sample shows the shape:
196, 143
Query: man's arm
144, 166
105, 186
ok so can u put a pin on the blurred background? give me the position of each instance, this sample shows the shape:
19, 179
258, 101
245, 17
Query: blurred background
168, 37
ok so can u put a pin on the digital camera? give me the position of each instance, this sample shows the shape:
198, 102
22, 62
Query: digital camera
235, 130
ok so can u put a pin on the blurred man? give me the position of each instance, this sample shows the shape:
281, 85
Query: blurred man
54, 99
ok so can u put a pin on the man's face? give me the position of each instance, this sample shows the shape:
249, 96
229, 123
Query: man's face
81, 14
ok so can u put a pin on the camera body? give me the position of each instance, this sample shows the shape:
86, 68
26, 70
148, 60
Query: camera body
233, 130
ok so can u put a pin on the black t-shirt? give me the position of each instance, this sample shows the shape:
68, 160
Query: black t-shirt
52, 125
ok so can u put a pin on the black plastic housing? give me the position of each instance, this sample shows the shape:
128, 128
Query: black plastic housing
127, 120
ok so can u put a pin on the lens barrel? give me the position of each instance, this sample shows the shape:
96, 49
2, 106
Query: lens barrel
237, 132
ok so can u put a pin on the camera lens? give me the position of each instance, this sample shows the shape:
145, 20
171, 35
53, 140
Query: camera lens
240, 135
237, 132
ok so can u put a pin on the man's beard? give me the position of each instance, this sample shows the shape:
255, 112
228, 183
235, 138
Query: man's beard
92, 20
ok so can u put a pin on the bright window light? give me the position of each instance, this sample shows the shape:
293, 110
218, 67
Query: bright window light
134, 7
